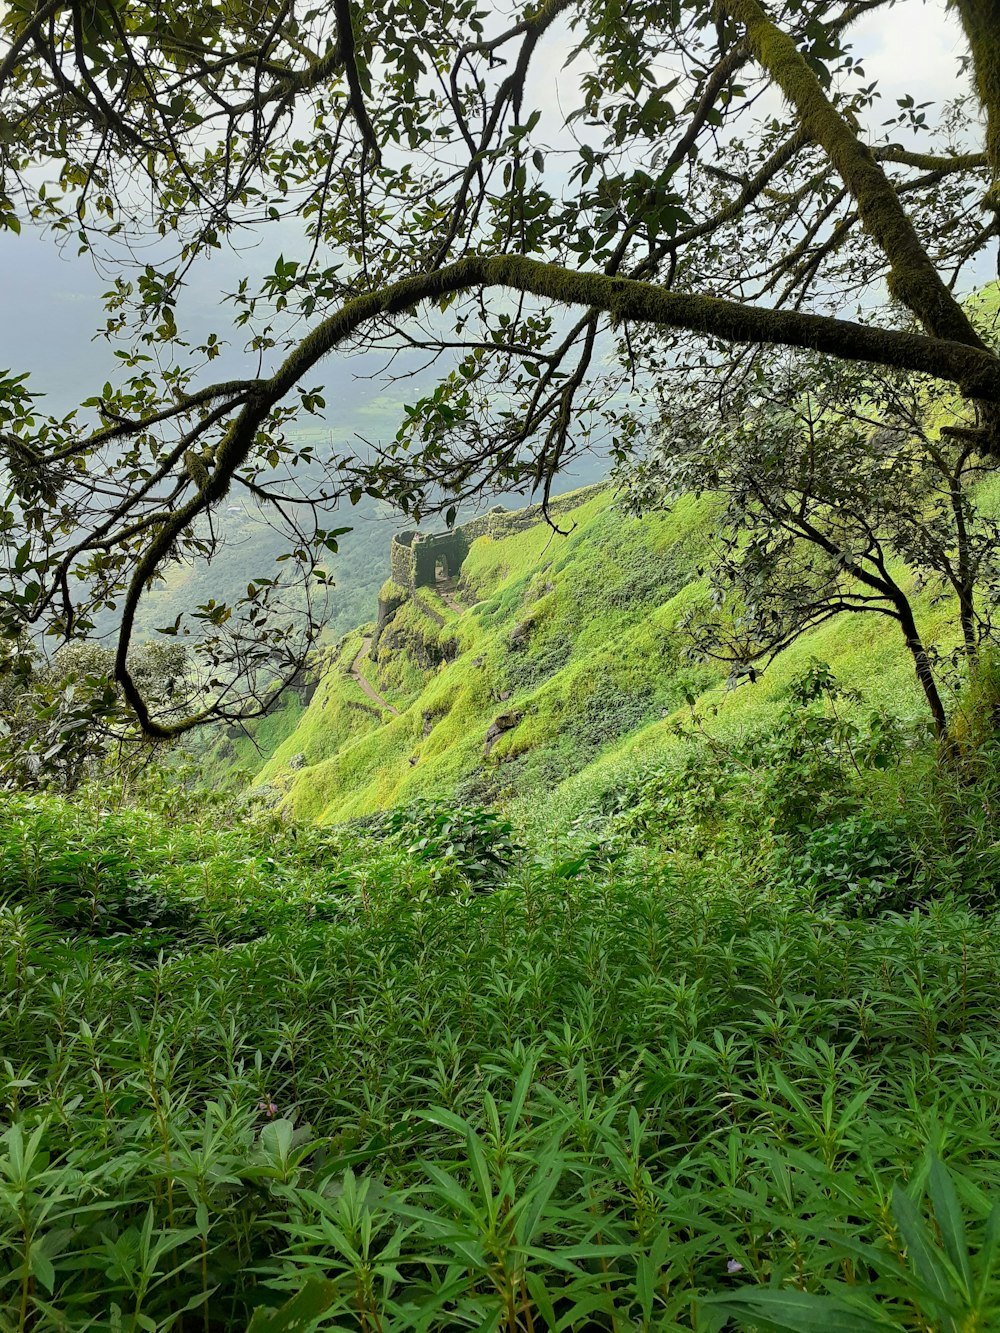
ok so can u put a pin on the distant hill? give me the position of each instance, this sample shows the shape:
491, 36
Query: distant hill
551, 664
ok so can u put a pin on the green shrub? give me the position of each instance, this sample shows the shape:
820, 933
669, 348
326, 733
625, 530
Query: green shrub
862, 863
525, 668
679, 807
461, 845
598, 1099
85, 876
141, 883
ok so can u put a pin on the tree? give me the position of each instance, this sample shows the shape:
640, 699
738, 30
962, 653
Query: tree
543, 262
840, 492
64, 720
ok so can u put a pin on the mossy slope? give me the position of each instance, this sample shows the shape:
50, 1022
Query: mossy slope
569, 648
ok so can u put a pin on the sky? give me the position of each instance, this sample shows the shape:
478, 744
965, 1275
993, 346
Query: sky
51, 300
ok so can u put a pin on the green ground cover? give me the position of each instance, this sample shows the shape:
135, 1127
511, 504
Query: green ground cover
724, 1057
578, 634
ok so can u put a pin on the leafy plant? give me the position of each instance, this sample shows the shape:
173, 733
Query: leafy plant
933, 1273
459, 844
863, 863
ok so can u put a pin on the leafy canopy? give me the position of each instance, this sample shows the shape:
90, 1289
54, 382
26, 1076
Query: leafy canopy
429, 195
839, 492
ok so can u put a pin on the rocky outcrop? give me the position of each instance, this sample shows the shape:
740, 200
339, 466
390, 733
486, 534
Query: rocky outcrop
500, 725
390, 598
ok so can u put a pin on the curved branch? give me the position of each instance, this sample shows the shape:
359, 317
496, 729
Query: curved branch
237, 390
975, 370
25, 37
347, 50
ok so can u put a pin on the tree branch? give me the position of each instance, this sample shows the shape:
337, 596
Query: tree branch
913, 279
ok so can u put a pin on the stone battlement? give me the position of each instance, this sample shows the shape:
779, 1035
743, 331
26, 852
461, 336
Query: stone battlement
419, 560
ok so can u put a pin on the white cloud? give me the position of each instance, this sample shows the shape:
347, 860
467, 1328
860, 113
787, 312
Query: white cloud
912, 48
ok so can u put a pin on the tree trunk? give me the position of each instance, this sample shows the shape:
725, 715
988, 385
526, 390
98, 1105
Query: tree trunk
924, 673
981, 21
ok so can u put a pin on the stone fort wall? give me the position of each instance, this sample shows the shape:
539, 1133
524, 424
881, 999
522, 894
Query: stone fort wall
417, 558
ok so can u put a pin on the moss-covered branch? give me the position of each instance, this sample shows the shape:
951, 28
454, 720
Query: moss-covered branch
913, 279
975, 371
981, 22
930, 161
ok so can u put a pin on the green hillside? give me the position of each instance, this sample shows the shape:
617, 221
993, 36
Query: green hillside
569, 643
708, 1026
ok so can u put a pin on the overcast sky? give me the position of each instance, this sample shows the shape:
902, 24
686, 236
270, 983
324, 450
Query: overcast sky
51, 300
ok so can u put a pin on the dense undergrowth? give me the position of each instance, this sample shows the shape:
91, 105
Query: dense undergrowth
724, 1058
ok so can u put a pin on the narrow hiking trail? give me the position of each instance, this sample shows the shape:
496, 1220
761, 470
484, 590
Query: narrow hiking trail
361, 679
445, 589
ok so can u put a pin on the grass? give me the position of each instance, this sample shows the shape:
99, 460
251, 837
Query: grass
338, 713
556, 625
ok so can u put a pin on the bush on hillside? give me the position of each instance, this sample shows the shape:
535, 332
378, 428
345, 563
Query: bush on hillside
789, 808
85, 877
863, 864
463, 846
142, 883
678, 807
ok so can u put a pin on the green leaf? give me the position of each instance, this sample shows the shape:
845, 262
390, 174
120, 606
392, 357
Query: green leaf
297, 1314
521, 1088
925, 1258
798, 1312
988, 1254
42, 1269
439, 1115
948, 1215
543, 1301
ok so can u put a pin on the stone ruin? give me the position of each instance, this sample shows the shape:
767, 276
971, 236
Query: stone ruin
419, 560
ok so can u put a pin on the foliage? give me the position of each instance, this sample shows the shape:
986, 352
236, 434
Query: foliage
800, 773
660, 1077
826, 806
840, 494
650, 202
954, 1282
599, 1097
63, 720
462, 845
135, 884
860, 862
538, 660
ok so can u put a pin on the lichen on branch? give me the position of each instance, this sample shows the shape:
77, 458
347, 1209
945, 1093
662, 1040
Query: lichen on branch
913, 279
